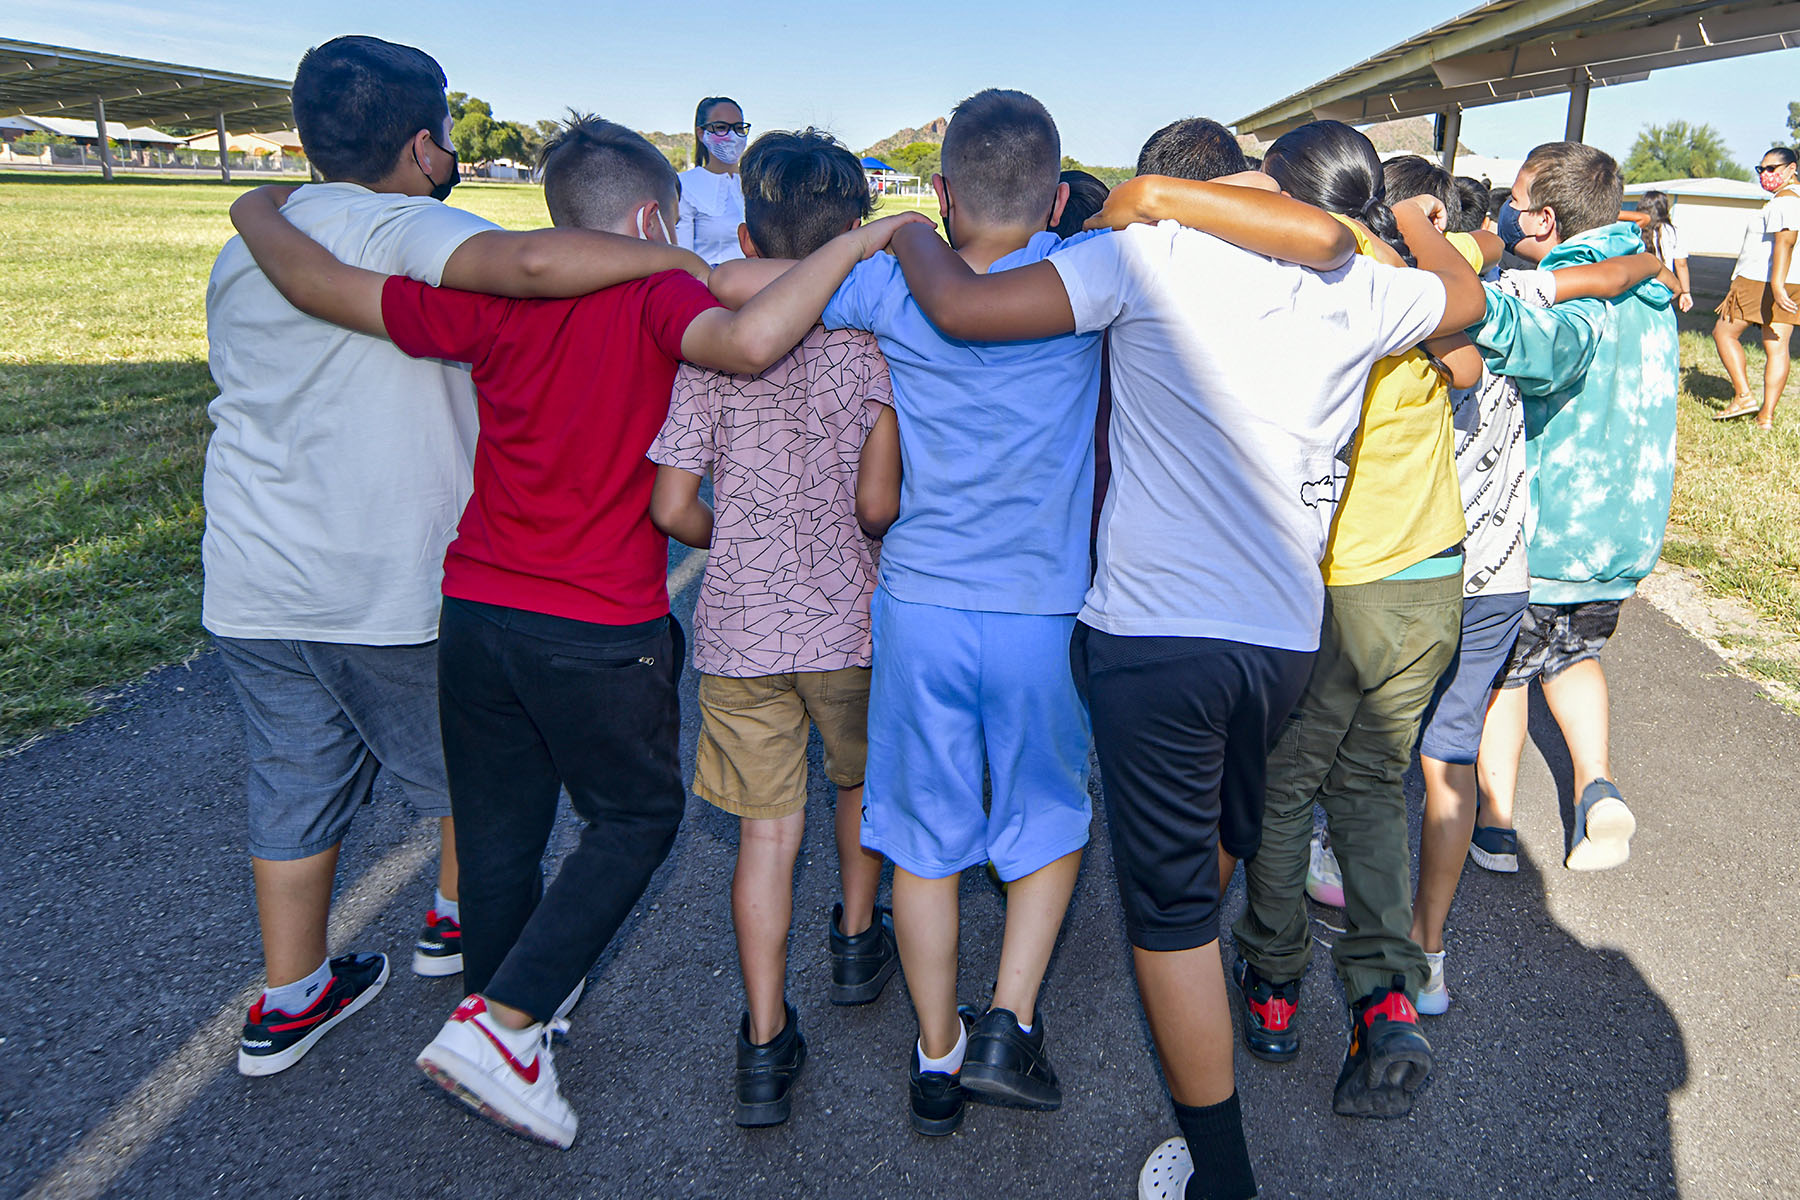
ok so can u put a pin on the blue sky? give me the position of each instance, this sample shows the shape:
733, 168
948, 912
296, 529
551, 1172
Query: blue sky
863, 73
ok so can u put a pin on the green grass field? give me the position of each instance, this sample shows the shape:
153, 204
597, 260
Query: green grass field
103, 394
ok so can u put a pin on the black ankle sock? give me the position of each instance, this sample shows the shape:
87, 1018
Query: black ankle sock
1215, 1138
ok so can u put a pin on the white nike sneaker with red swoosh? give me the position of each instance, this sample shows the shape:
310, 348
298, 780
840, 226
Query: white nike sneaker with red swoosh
504, 1074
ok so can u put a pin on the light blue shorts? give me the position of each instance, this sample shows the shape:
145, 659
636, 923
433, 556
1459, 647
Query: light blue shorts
954, 691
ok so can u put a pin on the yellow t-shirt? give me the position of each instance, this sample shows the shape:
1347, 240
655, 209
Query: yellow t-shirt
1401, 503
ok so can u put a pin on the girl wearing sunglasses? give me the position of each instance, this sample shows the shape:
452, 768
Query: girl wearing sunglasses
712, 201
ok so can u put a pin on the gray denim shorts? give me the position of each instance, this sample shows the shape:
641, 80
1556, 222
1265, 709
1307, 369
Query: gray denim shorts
321, 720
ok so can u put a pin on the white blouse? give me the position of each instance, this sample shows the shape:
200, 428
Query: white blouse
712, 208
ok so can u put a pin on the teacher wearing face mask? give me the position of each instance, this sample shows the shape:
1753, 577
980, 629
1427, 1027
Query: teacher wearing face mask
712, 200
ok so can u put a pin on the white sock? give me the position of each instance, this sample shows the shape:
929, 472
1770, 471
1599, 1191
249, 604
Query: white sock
445, 908
296, 997
1024, 1028
952, 1062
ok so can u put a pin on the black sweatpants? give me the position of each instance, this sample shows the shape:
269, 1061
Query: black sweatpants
529, 704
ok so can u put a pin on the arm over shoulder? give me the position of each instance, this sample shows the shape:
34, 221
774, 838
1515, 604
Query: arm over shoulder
1544, 350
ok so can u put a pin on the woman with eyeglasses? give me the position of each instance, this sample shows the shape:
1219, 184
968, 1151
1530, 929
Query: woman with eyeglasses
1765, 291
712, 200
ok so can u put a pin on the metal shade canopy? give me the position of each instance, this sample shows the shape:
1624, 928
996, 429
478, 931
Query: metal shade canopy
1515, 49
52, 81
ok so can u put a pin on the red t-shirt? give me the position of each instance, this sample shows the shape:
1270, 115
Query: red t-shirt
570, 394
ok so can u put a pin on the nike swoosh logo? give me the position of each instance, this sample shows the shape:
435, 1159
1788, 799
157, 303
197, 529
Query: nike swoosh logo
528, 1075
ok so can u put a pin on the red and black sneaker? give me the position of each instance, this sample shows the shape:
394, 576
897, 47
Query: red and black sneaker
1389, 1059
1269, 1011
438, 951
274, 1041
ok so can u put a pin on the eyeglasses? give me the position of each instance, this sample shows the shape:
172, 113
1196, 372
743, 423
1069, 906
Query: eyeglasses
1770, 168
721, 128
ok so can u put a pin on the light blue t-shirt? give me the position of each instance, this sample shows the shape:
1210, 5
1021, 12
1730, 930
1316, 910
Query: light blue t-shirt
997, 445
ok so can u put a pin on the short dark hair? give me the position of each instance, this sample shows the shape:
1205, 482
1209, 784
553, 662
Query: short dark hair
1472, 198
1580, 183
1192, 148
359, 100
1409, 175
1002, 154
1087, 196
595, 172
701, 111
800, 191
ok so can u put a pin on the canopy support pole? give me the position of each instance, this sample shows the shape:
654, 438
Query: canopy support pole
106, 166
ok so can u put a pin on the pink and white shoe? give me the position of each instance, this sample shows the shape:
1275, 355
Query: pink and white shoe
1324, 880
504, 1074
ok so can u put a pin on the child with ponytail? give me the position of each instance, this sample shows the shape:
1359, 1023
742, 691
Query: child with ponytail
1393, 610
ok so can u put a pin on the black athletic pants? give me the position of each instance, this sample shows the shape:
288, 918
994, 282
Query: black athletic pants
529, 704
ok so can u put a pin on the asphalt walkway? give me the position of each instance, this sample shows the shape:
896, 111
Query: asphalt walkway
1631, 1033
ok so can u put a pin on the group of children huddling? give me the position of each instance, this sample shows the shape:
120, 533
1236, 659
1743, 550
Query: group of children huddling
1354, 493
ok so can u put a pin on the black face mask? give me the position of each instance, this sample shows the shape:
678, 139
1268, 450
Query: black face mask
439, 191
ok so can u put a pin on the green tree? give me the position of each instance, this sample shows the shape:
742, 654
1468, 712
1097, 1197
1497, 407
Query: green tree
915, 158
1793, 133
1111, 176
1680, 151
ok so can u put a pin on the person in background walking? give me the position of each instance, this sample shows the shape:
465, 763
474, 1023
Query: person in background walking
712, 198
1662, 239
1767, 254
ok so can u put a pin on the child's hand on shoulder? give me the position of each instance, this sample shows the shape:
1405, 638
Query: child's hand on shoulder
873, 237
1430, 207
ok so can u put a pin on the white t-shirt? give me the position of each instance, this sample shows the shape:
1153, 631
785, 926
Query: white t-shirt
712, 208
1758, 255
338, 466
1668, 247
1237, 384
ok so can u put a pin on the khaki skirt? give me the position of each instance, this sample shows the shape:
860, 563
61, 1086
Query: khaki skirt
1753, 300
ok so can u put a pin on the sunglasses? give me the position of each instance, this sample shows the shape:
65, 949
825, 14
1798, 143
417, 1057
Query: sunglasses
1770, 168
721, 128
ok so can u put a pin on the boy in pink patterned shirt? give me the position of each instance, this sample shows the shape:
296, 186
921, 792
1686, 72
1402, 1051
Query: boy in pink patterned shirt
781, 629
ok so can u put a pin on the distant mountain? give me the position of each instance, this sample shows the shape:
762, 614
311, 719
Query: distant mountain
1412, 135
932, 131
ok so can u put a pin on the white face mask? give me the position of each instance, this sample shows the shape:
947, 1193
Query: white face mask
726, 147
643, 230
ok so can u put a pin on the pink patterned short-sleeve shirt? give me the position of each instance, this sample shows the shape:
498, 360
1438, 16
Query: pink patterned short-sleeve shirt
790, 573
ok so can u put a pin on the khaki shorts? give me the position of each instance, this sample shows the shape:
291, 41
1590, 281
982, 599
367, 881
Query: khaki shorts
1753, 300
751, 760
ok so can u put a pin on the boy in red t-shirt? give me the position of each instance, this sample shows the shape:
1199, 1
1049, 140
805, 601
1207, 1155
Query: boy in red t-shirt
558, 659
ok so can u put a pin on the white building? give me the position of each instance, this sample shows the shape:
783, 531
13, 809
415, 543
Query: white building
1711, 214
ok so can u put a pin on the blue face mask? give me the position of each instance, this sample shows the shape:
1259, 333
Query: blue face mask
1510, 232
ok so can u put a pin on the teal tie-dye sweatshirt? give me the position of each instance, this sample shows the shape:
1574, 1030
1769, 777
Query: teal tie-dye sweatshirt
1598, 379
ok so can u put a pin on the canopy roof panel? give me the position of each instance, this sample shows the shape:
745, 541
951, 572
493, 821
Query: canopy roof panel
1514, 49
53, 81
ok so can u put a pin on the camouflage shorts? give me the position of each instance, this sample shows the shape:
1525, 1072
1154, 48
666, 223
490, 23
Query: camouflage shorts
1554, 637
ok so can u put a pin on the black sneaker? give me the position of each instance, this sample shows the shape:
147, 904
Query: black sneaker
1495, 849
937, 1096
1006, 1065
1389, 1059
862, 964
274, 1041
766, 1074
438, 951
1269, 1012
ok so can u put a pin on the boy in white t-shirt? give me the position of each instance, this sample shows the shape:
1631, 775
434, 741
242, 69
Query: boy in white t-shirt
1200, 628
334, 479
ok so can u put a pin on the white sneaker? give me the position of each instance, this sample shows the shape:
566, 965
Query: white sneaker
485, 1065
1324, 880
1434, 997
1166, 1171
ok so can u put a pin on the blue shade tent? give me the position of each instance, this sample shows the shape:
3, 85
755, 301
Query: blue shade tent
875, 164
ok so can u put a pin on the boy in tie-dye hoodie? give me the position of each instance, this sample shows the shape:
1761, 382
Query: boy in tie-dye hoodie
1598, 379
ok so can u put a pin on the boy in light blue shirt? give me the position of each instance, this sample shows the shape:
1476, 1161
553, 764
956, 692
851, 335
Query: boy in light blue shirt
981, 576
